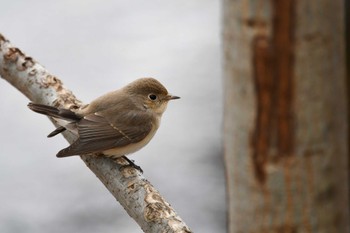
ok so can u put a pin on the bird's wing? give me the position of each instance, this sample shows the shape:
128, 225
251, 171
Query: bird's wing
97, 133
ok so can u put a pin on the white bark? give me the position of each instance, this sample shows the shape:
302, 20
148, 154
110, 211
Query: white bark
137, 195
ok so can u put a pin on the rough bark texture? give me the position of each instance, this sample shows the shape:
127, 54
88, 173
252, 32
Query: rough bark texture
138, 197
286, 129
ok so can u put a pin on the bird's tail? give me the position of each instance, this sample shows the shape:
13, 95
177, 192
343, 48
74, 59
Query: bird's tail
60, 113
64, 114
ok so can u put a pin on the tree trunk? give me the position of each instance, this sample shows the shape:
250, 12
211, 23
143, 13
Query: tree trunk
285, 121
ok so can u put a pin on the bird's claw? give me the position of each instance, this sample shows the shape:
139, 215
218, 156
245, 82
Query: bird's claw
132, 164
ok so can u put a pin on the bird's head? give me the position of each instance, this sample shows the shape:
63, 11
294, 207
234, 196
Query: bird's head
153, 94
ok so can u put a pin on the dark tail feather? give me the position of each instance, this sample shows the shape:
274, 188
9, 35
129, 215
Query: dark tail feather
64, 153
56, 131
68, 151
54, 112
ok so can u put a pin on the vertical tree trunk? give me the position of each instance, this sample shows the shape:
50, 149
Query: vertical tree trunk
286, 129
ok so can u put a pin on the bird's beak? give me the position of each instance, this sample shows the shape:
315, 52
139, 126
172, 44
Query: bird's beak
172, 97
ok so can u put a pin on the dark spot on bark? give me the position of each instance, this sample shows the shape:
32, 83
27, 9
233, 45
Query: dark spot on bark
273, 63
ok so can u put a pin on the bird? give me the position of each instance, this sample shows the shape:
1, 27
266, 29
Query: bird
115, 124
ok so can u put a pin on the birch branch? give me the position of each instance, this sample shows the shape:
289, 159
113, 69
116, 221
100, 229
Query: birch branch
137, 195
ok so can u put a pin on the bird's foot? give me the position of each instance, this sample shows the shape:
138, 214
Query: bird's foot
131, 164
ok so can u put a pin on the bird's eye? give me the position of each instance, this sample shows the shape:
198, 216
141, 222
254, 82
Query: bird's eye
152, 96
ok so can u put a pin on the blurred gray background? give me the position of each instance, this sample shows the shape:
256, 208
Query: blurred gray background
99, 46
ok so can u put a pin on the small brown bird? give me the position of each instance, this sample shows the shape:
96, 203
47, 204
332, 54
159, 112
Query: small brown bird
117, 123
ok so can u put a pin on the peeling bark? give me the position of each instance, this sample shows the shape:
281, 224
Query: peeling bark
264, 87
273, 64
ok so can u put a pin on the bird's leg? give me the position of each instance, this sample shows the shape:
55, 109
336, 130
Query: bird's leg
132, 164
